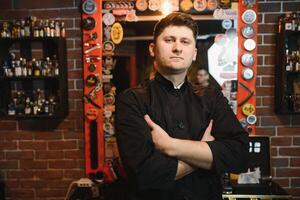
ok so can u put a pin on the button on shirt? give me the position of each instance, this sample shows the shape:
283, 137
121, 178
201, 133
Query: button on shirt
184, 115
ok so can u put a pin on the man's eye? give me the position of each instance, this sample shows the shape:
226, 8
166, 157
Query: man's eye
185, 42
168, 40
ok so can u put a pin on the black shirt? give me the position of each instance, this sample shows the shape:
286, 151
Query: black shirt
184, 115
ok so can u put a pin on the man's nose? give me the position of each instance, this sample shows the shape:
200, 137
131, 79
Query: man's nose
177, 48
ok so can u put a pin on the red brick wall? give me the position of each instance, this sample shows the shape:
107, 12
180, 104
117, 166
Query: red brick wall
40, 164
39, 159
283, 129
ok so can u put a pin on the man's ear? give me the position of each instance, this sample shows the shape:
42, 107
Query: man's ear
151, 49
195, 54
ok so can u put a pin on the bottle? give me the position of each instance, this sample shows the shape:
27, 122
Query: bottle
22, 28
27, 28
24, 67
55, 66
288, 22
294, 22
36, 68
27, 106
57, 29
11, 109
288, 67
41, 28
36, 32
62, 30
35, 108
29, 68
52, 29
46, 28
18, 69
46, 107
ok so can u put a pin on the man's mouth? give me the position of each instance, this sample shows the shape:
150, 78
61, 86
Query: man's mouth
178, 58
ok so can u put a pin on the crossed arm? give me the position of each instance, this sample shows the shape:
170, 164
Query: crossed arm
190, 154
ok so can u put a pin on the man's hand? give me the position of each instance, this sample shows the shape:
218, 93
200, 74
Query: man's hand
161, 138
207, 134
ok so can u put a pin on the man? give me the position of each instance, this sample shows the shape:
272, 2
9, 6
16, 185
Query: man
169, 146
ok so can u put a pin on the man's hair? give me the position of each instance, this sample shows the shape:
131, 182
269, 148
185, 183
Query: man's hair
175, 19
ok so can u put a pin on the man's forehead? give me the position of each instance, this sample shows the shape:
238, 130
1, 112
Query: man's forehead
178, 31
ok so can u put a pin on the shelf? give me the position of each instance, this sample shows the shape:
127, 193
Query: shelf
23, 78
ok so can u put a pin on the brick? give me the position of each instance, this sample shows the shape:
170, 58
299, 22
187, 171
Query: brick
73, 54
66, 125
49, 174
43, 125
23, 174
293, 192
74, 135
265, 131
75, 115
60, 145
48, 155
260, 18
267, 28
295, 182
70, 43
265, 70
270, 60
62, 164
79, 84
8, 145
268, 101
16, 14
8, 125
295, 162
272, 18
58, 184
79, 64
71, 84
75, 74
274, 120
268, 81
74, 174
289, 151
265, 91
73, 33
78, 43
48, 135
283, 182
273, 152
79, 125
269, 39
32, 145
51, 193
75, 94
11, 164
12, 183
295, 120
288, 172
74, 154
32, 4
260, 60
281, 141
296, 141
264, 111
17, 135
22, 193
17, 155
259, 39
36, 184
269, 7
288, 131
79, 105
266, 49
27, 164
291, 6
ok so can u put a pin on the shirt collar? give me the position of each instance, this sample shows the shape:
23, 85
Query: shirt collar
168, 84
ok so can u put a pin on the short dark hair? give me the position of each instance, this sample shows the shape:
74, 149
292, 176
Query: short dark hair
175, 19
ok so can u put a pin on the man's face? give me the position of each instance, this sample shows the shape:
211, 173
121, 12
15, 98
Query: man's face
174, 50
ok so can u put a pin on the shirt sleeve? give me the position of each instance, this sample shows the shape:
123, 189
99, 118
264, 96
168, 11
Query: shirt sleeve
230, 148
146, 167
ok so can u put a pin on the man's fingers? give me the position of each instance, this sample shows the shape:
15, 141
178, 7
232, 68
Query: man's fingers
149, 121
208, 129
